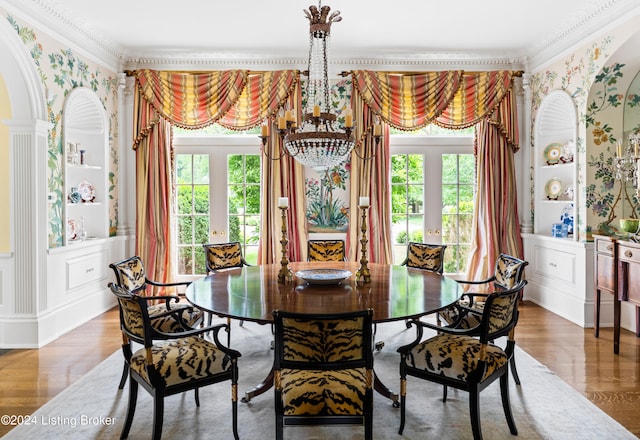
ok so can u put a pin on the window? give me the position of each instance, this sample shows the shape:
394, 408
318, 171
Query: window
432, 188
221, 172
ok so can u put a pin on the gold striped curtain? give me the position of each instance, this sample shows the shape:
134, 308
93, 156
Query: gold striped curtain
495, 218
369, 178
283, 177
154, 183
459, 100
236, 98
262, 96
407, 101
191, 100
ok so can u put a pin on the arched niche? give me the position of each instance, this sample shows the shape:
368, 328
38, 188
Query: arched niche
85, 138
555, 130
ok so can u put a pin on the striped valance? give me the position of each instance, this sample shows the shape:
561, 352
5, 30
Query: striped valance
191, 100
407, 101
262, 96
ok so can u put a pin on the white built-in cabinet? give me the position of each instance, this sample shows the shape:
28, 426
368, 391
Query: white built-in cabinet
560, 271
86, 149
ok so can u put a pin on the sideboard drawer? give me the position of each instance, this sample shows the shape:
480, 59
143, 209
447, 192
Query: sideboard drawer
605, 247
556, 264
85, 270
628, 253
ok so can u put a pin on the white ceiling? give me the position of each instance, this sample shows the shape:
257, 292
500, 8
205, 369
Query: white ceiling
371, 29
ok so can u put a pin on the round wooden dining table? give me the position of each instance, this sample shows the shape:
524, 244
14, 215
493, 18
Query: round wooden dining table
252, 293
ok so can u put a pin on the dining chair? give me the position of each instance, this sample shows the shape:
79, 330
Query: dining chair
220, 256
466, 359
425, 256
182, 361
326, 250
131, 276
508, 272
323, 369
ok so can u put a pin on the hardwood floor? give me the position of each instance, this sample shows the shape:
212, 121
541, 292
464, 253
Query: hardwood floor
29, 378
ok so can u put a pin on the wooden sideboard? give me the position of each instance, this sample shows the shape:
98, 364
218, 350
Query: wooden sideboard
617, 271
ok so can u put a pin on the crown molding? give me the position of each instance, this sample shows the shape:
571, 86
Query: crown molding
590, 23
443, 61
47, 16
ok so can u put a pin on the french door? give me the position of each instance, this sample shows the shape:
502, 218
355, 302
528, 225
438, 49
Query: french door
432, 187
218, 197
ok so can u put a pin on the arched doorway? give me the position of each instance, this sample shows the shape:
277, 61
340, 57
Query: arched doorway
23, 267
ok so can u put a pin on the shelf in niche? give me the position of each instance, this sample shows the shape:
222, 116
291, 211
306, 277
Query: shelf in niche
85, 167
558, 165
558, 201
85, 204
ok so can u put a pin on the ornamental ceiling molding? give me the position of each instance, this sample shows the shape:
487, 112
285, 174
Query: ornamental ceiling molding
589, 24
406, 63
61, 25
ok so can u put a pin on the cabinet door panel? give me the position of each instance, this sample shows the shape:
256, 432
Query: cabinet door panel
605, 267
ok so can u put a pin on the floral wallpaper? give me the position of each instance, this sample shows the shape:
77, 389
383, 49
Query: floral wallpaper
597, 83
61, 70
328, 191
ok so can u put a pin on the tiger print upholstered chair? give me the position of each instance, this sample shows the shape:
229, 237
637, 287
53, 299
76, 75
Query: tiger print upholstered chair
508, 272
323, 370
182, 361
326, 250
223, 256
220, 256
425, 256
131, 276
466, 359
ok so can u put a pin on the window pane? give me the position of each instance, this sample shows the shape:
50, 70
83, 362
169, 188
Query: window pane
252, 171
415, 228
184, 172
398, 168
184, 260
201, 168
185, 232
236, 199
253, 199
399, 199
415, 163
235, 168
185, 199
202, 229
201, 199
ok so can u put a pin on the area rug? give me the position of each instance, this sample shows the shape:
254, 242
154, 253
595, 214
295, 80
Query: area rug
544, 406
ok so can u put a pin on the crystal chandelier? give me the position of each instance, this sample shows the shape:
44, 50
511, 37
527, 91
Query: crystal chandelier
319, 142
627, 161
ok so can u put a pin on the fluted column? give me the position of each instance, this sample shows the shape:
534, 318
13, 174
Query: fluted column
524, 91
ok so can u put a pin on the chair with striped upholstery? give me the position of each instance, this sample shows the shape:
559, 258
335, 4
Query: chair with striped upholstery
323, 370
131, 276
179, 362
326, 250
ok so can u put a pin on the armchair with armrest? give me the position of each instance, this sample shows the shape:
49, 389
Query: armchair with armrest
508, 272
167, 313
466, 359
171, 363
